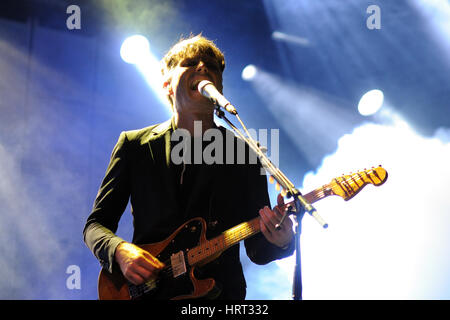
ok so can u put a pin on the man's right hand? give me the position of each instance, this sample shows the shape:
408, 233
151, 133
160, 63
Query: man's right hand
136, 264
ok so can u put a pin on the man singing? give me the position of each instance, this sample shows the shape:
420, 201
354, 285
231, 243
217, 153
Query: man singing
164, 194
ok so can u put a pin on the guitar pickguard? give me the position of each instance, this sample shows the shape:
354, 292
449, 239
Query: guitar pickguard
177, 279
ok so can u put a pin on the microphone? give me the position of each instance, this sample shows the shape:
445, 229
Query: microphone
208, 90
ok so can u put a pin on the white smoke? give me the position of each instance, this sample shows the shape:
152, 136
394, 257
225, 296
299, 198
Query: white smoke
390, 241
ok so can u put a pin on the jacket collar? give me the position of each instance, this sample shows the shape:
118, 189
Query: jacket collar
163, 128
159, 141
161, 133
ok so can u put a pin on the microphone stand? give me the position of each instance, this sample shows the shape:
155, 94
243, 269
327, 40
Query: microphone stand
300, 203
297, 278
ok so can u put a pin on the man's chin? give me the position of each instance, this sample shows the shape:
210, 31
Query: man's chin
200, 106
197, 98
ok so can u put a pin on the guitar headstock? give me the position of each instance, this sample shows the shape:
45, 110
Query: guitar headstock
347, 186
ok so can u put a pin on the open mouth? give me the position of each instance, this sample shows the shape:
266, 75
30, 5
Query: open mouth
194, 84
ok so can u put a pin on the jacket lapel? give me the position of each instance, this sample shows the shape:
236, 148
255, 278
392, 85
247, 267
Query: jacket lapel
160, 148
159, 142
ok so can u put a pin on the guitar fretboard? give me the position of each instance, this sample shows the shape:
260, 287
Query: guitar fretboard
238, 233
226, 240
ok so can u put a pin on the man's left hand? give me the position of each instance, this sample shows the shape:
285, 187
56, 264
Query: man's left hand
270, 218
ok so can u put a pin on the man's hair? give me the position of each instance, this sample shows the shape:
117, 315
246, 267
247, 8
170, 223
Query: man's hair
191, 47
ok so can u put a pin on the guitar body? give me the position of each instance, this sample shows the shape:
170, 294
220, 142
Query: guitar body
170, 285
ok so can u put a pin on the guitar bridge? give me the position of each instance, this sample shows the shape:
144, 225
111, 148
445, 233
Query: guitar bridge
136, 291
178, 264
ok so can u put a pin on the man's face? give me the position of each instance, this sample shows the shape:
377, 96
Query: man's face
184, 79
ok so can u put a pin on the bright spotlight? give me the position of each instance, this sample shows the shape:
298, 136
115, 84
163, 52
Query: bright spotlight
371, 102
249, 72
135, 49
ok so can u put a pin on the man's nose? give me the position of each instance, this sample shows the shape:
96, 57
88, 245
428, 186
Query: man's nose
201, 67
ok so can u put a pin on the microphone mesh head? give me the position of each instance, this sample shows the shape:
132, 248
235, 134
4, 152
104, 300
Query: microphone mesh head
202, 85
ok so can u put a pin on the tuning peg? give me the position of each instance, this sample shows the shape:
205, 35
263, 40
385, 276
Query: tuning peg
271, 179
283, 192
277, 186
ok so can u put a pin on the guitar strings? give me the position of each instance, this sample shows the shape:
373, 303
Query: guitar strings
243, 232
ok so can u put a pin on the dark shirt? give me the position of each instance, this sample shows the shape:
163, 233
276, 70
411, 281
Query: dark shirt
164, 195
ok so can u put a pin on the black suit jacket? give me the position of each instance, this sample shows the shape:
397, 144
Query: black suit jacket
141, 171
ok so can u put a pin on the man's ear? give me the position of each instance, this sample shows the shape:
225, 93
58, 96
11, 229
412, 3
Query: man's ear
167, 87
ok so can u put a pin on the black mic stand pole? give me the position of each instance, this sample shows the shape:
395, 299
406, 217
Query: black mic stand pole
297, 278
301, 205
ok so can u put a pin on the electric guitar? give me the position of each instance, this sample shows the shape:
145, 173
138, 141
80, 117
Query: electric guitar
188, 248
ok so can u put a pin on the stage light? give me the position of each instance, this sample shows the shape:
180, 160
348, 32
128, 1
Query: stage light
437, 16
135, 49
281, 36
371, 102
296, 107
249, 72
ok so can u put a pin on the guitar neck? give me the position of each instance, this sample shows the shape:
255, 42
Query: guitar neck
240, 232
346, 187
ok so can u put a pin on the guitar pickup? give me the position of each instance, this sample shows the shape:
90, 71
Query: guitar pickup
178, 264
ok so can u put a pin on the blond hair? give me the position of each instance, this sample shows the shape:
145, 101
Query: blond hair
191, 47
